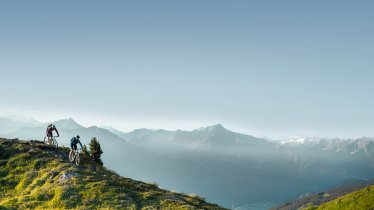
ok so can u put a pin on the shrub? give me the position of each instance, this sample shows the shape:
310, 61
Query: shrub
95, 151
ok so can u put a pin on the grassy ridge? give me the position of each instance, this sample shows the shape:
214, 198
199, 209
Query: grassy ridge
35, 176
360, 200
317, 199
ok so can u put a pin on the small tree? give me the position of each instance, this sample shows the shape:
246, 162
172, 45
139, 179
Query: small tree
85, 150
95, 151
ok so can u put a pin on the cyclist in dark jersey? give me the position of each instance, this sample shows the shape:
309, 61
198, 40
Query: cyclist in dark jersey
74, 141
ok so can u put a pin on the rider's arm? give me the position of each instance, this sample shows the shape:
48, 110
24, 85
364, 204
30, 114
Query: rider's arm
57, 132
80, 144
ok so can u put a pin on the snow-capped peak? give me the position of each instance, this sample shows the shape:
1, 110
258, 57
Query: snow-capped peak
296, 141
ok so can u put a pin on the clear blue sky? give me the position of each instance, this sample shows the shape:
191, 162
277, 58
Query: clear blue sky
269, 68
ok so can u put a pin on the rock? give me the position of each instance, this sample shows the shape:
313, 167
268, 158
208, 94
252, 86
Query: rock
66, 176
174, 197
53, 174
34, 150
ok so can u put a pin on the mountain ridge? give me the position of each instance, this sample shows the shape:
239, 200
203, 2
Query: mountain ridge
317, 199
361, 199
68, 123
204, 138
34, 175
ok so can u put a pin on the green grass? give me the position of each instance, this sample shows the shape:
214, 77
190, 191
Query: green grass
32, 177
360, 200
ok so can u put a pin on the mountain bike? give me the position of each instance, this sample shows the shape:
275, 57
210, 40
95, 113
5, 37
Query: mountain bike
51, 141
74, 156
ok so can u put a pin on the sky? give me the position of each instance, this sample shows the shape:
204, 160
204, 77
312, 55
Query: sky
268, 68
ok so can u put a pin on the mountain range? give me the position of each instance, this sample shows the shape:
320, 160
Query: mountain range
235, 170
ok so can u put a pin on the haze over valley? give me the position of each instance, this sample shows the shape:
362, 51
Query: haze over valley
232, 169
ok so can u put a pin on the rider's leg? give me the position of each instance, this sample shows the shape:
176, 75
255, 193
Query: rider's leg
49, 138
71, 147
75, 147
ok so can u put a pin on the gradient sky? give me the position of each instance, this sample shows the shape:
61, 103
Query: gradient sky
267, 68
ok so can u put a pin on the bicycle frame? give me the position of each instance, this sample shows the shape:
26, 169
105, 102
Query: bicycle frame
51, 140
74, 156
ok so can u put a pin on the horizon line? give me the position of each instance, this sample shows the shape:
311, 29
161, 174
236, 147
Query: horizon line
106, 126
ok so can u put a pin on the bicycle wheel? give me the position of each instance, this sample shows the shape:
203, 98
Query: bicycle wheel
77, 158
46, 140
54, 142
71, 155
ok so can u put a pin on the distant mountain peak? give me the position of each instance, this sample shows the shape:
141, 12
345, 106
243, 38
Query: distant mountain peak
214, 127
68, 123
218, 125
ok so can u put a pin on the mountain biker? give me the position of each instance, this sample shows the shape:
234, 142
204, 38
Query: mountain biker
74, 141
49, 131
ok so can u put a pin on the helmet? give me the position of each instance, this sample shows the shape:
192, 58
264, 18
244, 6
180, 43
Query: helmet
78, 136
53, 126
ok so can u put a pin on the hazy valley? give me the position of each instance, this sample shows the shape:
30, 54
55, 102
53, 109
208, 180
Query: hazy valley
228, 168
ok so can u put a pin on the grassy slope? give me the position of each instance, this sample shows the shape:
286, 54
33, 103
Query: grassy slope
362, 199
33, 175
317, 199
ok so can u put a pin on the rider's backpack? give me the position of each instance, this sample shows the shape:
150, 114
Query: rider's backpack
73, 140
